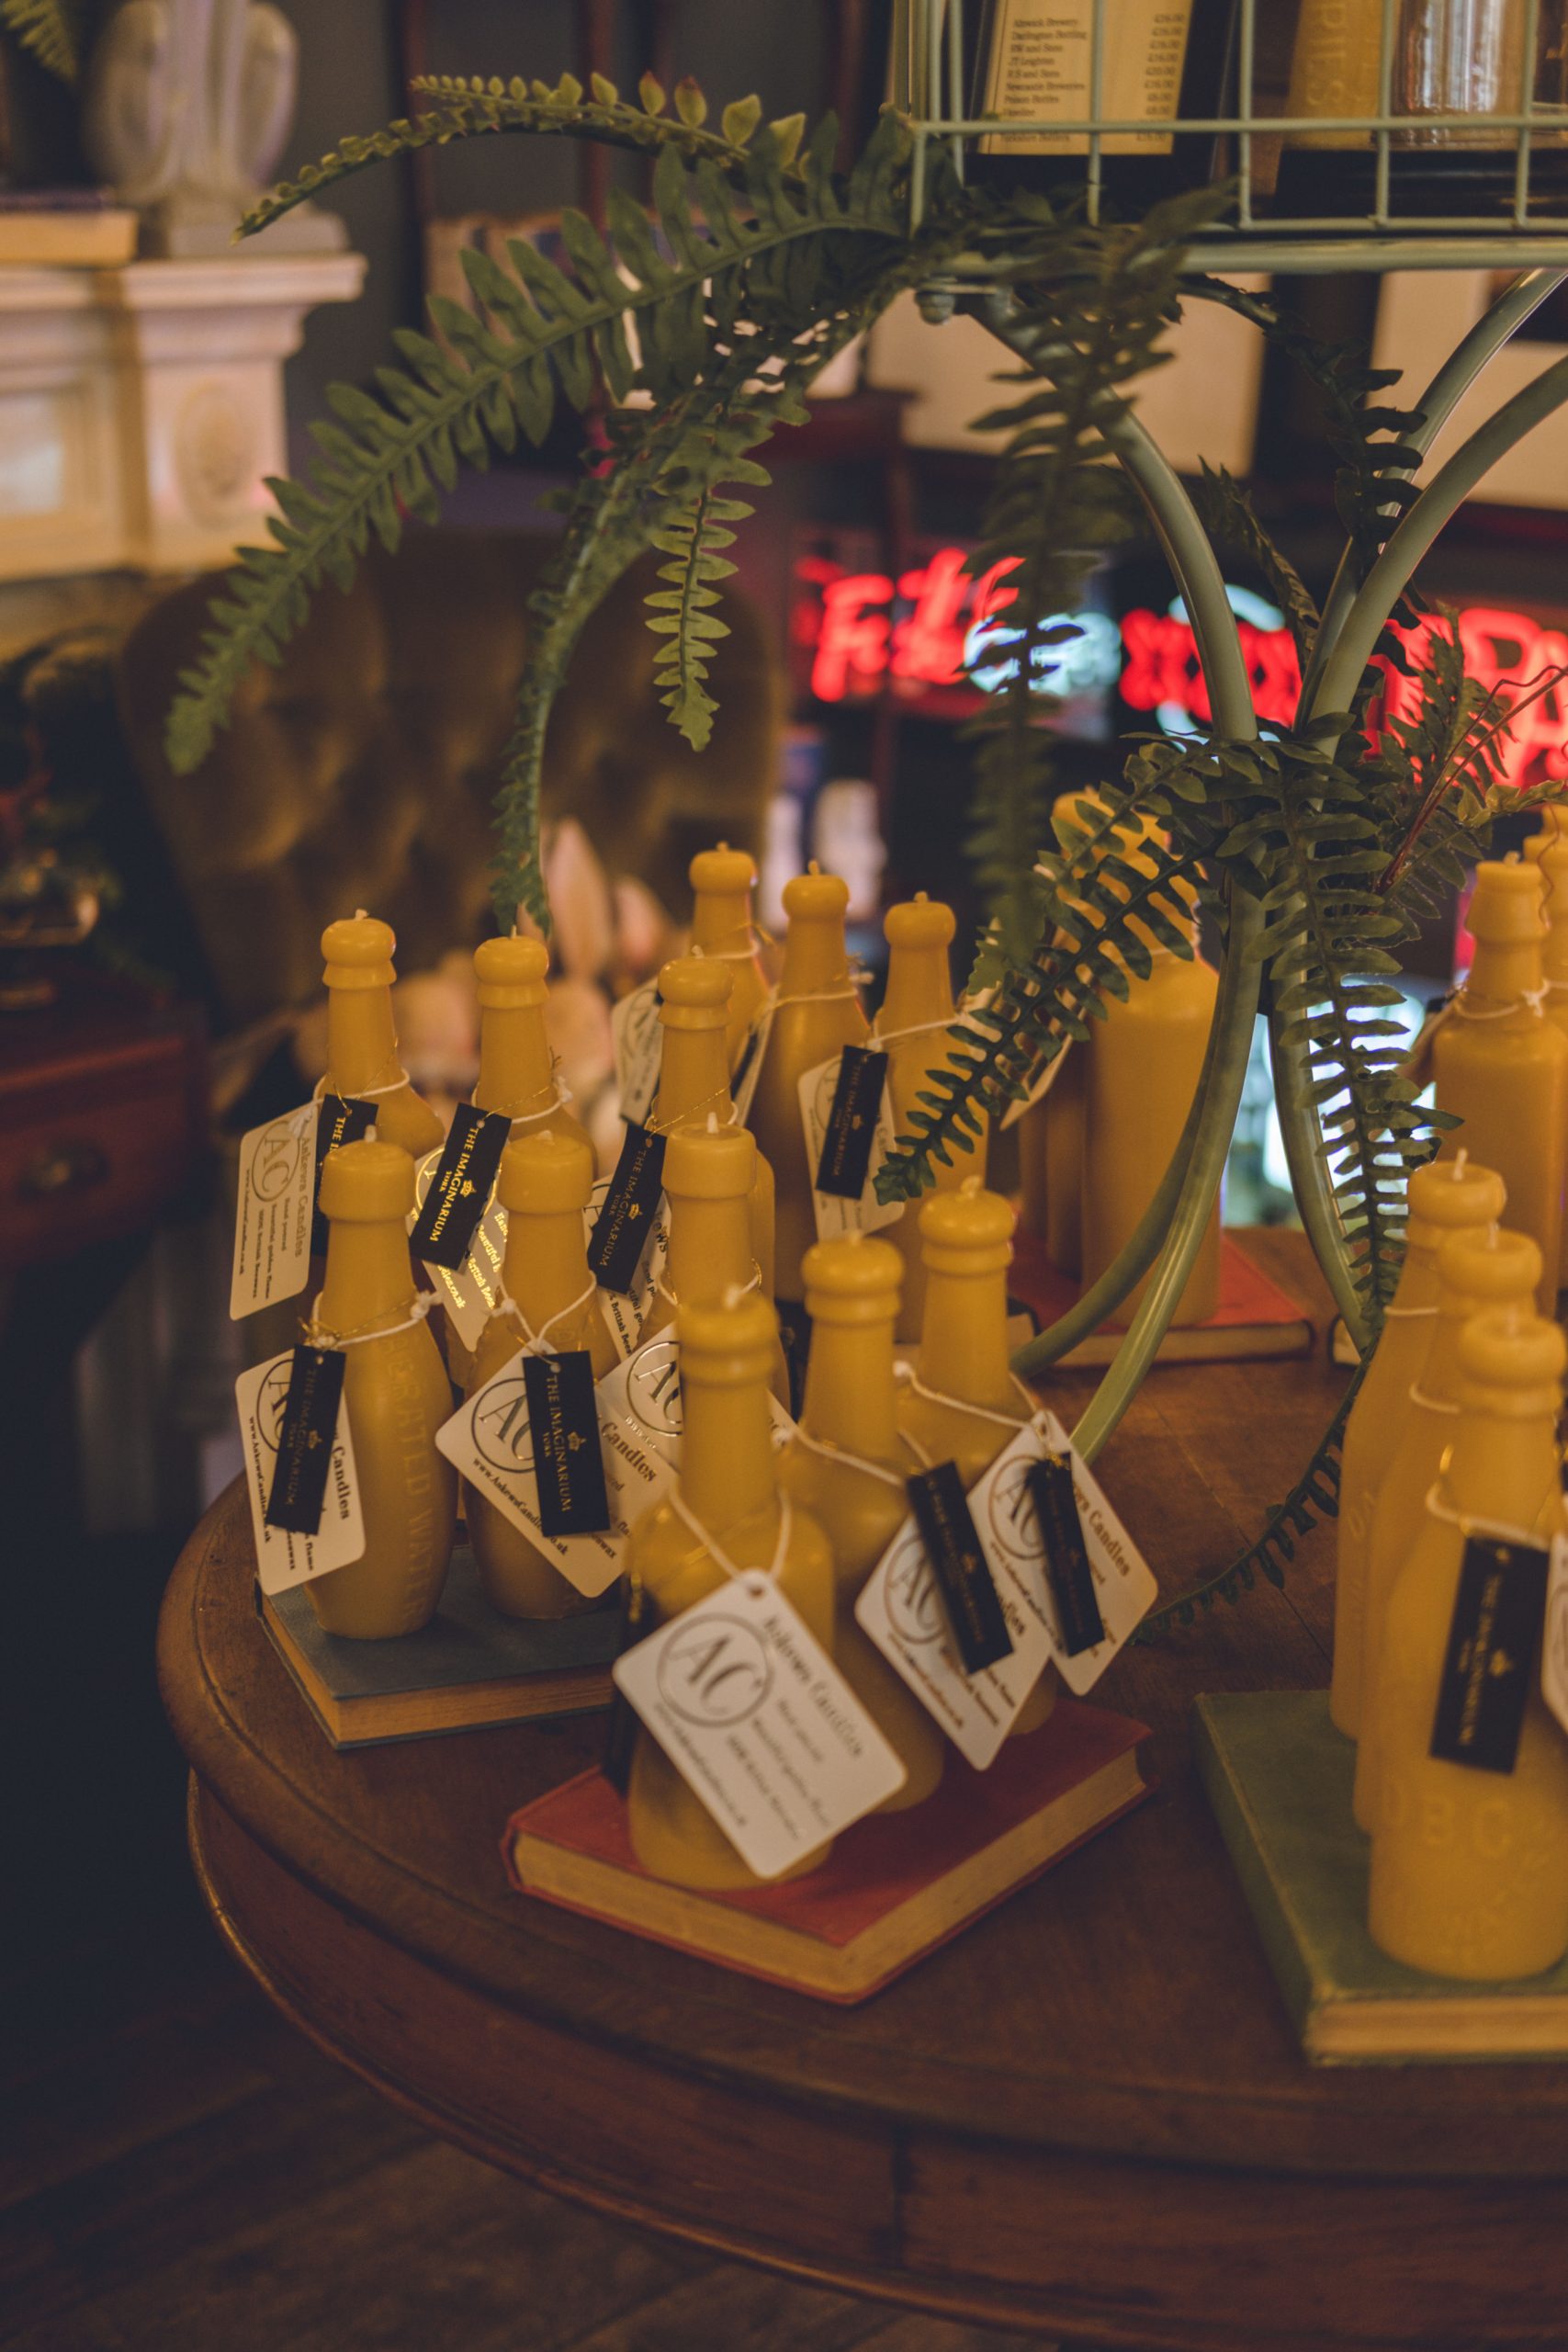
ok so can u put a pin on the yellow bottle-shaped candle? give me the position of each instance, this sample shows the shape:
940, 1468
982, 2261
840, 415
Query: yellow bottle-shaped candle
964, 1404
398, 1395
818, 1014
1441, 1199
1141, 1072
710, 1183
695, 993
544, 1186
729, 1485
362, 1043
517, 1071
722, 881
915, 1020
1477, 1268
847, 1467
1548, 851
1501, 1067
1470, 1868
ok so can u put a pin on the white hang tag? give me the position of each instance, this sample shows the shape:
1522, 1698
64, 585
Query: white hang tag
284, 1560
1039, 1087
1010, 1532
467, 1292
642, 1393
272, 1219
489, 1440
743, 1085
836, 1216
759, 1722
901, 1614
1554, 1633
625, 1312
638, 1036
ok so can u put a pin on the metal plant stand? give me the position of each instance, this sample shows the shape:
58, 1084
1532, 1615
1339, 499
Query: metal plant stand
928, 53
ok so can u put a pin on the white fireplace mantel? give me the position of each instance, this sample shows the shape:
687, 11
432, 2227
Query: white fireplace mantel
141, 407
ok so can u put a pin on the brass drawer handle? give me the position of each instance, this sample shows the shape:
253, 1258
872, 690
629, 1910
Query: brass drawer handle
63, 1168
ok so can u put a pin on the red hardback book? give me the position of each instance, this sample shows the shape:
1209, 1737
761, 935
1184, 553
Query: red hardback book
1254, 1317
894, 1887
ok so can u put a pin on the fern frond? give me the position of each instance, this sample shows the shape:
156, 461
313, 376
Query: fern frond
49, 30
683, 613
478, 108
1230, 516
1314, 1499
548, 327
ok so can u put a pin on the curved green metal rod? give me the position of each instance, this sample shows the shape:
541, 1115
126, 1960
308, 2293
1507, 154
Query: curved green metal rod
1196, 1167
1436, 404
1446, 490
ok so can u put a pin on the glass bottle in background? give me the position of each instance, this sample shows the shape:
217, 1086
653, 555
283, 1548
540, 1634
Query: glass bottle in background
1470, 1868
398, 1395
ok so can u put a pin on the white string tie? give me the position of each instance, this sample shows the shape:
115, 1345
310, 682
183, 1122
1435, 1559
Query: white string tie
534, 1342
317, 1335
1535, 1538
907, 1373
1534, 998
832, 1452
786, 1518
1430, 1404
360, 1093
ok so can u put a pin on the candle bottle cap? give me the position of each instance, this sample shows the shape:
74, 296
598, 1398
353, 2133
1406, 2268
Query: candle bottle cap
1507, 906
695, 992
511, 973
816, 897
722, 869
368, 1183
710, 1163
358, 952
545, 1174
1486, 1266
967, 1232
721, 1345
918, 922
1511, 1364
854, 1279
1450, 1193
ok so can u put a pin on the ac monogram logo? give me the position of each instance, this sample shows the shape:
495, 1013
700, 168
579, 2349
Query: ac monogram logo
277, 1161
714, 1673
500, 1427
653, 1388
914, 1609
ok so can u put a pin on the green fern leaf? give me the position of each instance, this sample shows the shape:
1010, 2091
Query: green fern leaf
49, 30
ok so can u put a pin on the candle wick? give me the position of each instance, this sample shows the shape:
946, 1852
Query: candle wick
359, 914
370, 1135
970, 1186
712, 1123
1461, 1155
724, 845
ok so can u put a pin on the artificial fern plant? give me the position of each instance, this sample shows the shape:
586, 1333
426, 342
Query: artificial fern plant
696, 327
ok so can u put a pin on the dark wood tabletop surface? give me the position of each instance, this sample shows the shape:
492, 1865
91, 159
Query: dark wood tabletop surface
1089, 2114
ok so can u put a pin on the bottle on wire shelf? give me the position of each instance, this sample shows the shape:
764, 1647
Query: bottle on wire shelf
547, 1298
396, 1393
1443, 1198
1478, 1267
1470, 1865
846, 1465
726, 1515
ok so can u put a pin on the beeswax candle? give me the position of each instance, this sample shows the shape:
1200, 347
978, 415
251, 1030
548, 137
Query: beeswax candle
722, 881
695, 993
729, 1485
362, 1042
818, 1012
398, 1395
847, 1467
1470, 1867
915, 1025
1442, 1198
1501, 1067
545, 1182
710, 1183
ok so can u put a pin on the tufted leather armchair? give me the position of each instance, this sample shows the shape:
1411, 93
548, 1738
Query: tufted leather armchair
360, 772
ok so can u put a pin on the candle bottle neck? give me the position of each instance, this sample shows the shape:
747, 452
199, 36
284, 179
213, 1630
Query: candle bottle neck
368, 1275
694, 1078
1505, 1468
1504, 970
814, 956
919, 989
963, 1349
516, 1070
362, 1041
726, 1455
710, 1248
851, 1400
546, 1264
721, 920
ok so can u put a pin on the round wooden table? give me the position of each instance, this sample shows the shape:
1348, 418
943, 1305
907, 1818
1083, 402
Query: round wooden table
1088, 2115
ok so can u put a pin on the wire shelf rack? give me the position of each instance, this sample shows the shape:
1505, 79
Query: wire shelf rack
1399, 148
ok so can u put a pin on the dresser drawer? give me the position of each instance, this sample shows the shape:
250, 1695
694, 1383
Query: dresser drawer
96, 1157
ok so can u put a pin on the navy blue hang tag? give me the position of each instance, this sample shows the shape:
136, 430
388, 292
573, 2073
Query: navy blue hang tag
843, 1163
975, 1614
344, 1118
569, 1459
631, 1205
306, 1436
460, 1187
